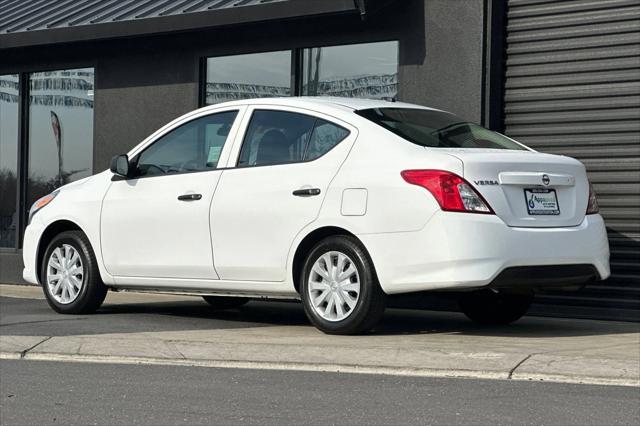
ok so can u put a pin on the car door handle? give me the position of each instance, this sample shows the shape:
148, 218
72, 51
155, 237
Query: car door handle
307, 192
189, 197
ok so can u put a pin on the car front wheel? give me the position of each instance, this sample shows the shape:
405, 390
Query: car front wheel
494, 307
339, 288
70, 276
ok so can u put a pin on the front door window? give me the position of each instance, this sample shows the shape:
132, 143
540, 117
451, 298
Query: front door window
192, 147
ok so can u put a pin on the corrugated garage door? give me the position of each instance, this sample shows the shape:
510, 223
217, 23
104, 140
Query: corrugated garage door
573, 87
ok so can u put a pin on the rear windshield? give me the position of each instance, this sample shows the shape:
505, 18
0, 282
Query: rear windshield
437, 129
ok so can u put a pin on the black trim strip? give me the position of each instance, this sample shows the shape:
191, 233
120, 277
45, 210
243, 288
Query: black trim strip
202, 82
493, 64
23, 155
546, 276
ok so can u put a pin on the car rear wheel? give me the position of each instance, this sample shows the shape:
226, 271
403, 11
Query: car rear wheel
339, 288
221, 302
494, 307
70, 277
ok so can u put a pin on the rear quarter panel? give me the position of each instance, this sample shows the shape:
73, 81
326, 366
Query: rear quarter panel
375, 162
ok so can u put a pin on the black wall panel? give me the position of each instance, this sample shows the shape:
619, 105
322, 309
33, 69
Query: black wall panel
573, 88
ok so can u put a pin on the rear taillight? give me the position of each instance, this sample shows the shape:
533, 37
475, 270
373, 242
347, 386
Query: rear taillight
592, 207
452, 192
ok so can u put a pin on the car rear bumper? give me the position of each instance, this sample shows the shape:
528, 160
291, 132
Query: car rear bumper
459, 251
547, 276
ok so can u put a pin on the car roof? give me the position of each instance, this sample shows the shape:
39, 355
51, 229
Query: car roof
349, 104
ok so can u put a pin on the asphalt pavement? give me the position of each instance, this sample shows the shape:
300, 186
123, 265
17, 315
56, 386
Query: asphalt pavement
152, 359
178, 330
43, 393
34, 317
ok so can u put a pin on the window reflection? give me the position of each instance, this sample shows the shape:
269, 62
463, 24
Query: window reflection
8, 159
367, 70
60, 129
324, 137
256, 75
275, 137
193, 147
283, 137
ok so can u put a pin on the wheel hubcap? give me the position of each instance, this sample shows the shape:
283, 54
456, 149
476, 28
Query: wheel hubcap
334, 286
65, 275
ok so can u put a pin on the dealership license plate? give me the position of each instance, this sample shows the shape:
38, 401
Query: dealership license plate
541, 201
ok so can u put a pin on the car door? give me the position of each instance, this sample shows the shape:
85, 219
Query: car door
274, 189
156, 223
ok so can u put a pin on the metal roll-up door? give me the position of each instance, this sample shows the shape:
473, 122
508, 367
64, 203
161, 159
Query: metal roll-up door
573, 87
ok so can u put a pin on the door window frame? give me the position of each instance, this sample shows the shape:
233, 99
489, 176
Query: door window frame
135, 153
234, 156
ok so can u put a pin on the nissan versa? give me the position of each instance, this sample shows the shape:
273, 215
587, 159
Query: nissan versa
338, 202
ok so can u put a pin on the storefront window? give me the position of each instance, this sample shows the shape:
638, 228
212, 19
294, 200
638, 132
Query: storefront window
60, 129
367, 70
8, 159
256, 75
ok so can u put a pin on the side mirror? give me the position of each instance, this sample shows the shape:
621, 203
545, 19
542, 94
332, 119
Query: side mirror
120, 165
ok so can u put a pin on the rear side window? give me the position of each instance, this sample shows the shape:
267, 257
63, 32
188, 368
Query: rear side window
283, 137
437, 129
325, 136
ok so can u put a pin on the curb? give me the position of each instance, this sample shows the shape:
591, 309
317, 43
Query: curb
326, 368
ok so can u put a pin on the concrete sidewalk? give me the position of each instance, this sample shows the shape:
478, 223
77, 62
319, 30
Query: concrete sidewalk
561, 350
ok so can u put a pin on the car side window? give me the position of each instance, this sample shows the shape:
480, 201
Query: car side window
282, 137
193, 147
325, 136
275, 137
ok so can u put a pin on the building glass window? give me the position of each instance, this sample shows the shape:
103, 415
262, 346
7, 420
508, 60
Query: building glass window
257, 75
8, 159
60, 129
368, 70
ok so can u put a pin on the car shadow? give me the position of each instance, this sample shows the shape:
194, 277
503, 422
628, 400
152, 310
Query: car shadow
255, 313
409, 322
396, 321
34, 317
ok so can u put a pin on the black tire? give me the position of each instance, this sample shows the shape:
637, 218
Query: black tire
491, 308
92, 292
222, 302
371, 302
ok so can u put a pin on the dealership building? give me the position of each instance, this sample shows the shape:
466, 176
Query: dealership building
83, 80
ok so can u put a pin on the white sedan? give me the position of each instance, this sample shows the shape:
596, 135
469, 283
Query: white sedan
337, 202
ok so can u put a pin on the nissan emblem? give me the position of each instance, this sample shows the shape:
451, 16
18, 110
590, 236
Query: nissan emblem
546, 180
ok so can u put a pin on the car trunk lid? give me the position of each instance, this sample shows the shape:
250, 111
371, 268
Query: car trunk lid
527, 188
